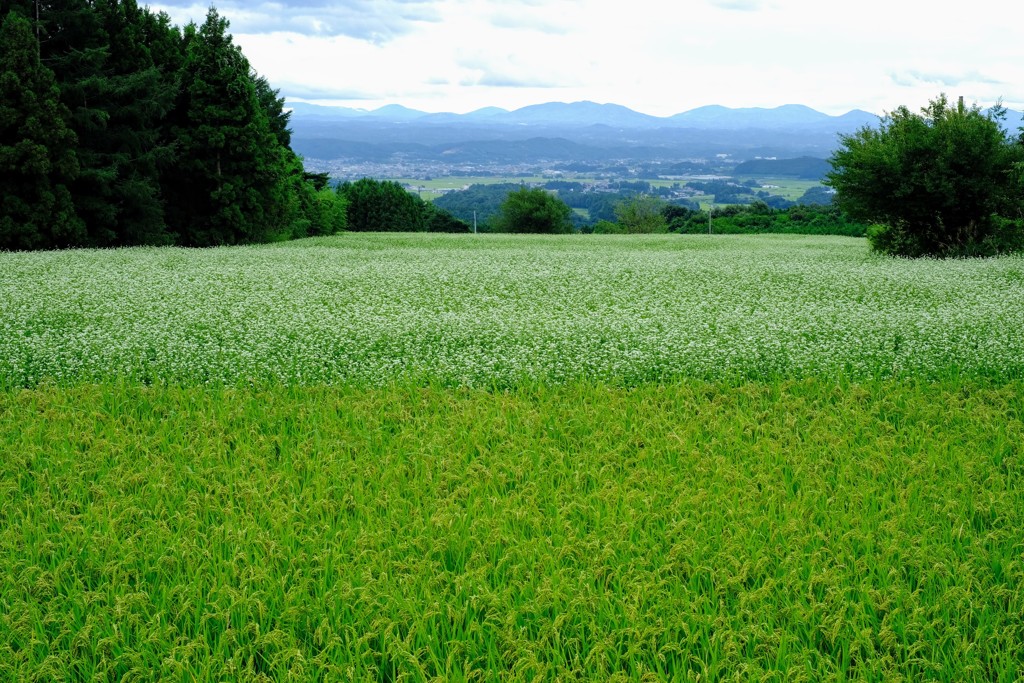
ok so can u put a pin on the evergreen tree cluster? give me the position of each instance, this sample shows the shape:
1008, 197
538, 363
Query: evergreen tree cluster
118, 128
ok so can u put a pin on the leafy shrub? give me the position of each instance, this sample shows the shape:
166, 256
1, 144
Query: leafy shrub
533, 210
945, 182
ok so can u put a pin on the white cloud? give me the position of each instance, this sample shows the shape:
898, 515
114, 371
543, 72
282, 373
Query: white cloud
656, 56
740, 5
376, 21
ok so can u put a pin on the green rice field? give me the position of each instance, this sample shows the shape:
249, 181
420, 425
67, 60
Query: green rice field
453, 458
430, 189
790, 188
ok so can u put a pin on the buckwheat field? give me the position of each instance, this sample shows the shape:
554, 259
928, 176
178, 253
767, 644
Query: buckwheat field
423, 457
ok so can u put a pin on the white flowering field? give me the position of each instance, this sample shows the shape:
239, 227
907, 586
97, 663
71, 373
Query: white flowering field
498, 310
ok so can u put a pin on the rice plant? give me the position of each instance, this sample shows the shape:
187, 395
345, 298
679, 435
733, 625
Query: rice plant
798, 530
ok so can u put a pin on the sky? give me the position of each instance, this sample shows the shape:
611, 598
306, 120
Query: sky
659, 57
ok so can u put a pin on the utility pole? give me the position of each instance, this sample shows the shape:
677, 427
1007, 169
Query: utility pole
710, 209
474, 222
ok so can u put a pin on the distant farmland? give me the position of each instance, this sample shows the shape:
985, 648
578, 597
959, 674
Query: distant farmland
788, 188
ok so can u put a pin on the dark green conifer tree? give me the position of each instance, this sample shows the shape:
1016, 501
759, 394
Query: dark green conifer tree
37, 149
157, 135
119, 190
303, 211
229, 184
384, 206
74, 45
100, 53
273, 107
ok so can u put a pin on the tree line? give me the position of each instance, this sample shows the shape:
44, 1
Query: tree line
626, 212
386, 206
118, 128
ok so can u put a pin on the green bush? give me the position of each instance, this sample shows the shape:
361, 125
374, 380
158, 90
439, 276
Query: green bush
945, 182
533, 210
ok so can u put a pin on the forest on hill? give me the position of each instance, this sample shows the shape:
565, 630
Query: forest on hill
118, 128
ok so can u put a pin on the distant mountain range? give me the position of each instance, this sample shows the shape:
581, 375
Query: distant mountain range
594, 114
561, 134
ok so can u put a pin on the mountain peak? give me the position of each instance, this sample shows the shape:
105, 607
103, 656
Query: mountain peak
396, 112
717, 116
588, 113
582, 113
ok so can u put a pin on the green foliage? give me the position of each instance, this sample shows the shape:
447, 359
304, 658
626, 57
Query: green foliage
386, 206
309, 212
116, 98
330, 214
382, 206
939, 183
677, 216
603, 227
231, 180
723, 531
373, 205
119, 98
439, 220
759, 218
38, 158
319, 181
533, 210
162, 137
480, 200
641, 214
273, 107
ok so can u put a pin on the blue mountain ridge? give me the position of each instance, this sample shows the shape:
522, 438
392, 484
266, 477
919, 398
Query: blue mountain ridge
572, 132
587, 113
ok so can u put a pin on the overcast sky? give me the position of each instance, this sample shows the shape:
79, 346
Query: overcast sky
658, 57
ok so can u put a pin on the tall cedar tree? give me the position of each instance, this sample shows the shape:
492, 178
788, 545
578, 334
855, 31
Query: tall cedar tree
75, 46
115, 65
37, 149
123, 203
230, 182
302, 213
157, 136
